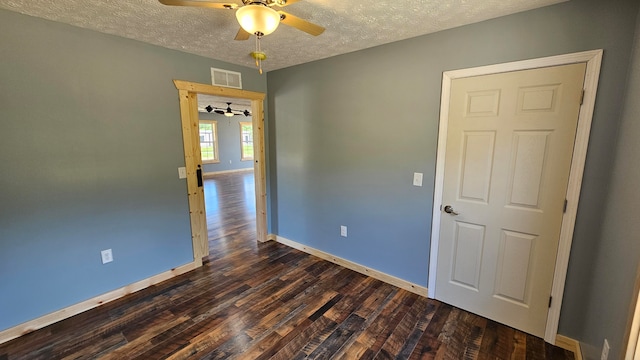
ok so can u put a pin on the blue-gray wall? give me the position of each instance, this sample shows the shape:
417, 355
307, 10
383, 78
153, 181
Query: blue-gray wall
90, 143
617, 255
228, 143
347, 133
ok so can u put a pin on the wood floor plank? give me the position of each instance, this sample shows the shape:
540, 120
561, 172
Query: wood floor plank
409, 344
264, 301
353, 299
375, 326
392, 324
139, 342
317, 339
295, 345
489, 341
519, 345
536, 349
338, 337
312, 306
429, 343
97, 348
369, 310
405, 336
505, 344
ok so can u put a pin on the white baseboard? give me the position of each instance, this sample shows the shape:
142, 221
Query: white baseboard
38, 323
569, 344
214, 173
390, 279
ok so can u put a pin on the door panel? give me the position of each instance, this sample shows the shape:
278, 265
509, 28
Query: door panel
467, 256
529, 155
513, 278
508, 154
477, 162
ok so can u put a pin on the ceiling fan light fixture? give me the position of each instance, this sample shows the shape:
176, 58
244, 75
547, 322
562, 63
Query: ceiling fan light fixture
229, 112
257, 18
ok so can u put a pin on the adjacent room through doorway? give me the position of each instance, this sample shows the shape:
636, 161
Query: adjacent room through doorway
226, 144
231, 207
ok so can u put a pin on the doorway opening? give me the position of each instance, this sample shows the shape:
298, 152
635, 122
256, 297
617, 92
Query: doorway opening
188, 95
226, 148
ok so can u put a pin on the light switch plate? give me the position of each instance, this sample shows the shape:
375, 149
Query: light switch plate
182, 172
417, 179
343, 231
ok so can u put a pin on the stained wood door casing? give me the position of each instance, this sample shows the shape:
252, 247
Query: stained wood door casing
508, 156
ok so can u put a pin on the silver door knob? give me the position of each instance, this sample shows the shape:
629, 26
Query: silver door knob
449, 210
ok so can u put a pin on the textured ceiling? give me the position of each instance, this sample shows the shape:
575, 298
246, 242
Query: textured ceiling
350, 25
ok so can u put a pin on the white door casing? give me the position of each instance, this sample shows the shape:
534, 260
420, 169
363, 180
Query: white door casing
490, 165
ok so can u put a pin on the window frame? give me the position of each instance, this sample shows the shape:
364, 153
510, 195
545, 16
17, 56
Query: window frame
216, 154
242, 154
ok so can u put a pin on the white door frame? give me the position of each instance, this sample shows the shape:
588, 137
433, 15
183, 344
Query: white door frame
633, 345
593, 59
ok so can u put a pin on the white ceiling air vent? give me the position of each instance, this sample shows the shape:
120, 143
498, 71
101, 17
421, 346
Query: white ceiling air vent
226, 78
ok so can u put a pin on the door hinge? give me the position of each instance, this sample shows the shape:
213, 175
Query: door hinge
564, 208
550, 298
582, 97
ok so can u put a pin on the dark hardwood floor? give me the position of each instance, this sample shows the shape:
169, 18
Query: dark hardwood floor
268, 301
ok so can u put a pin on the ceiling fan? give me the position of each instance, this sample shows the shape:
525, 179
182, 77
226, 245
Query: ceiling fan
226, 112
256, 17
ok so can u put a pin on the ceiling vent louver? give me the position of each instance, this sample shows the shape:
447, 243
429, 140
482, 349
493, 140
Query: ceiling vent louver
226, 78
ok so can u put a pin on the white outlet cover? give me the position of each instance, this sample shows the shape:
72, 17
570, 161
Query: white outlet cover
343, 231
107, 256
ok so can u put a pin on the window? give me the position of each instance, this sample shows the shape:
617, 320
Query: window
209, 141
246, 141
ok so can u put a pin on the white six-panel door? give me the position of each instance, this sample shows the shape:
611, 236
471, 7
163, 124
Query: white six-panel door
509, 148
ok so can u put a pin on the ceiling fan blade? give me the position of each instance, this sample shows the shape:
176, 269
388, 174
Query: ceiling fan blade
207, 4
242, 35
221, 112
282, 3
300, 24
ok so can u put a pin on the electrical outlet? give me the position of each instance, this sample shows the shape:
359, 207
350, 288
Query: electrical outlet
343, 231
107, 256
605, 350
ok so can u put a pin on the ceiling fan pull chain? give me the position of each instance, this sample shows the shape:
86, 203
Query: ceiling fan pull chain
257, 48
258, 54
259, 59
